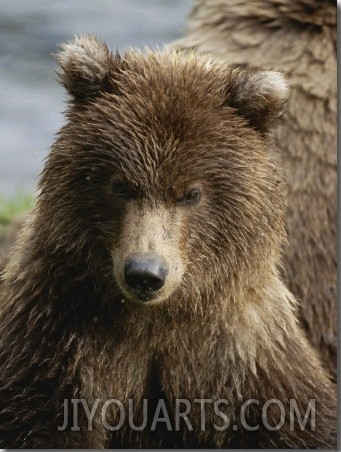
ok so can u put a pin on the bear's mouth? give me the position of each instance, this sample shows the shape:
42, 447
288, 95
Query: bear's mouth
130, 296
146, 296
143, 297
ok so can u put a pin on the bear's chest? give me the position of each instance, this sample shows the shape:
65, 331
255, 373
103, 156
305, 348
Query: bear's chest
155, 373
160, 362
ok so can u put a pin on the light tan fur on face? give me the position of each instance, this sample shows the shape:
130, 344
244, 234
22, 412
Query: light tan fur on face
150, 232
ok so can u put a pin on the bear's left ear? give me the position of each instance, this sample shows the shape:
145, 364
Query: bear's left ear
87, 66
258, 95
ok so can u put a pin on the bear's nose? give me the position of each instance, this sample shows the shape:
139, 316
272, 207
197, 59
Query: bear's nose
145, 275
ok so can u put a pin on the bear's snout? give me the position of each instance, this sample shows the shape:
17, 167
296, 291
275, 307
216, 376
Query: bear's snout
145, 275
146, 267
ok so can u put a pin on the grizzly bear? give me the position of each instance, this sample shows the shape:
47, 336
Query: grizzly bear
298, 37
143, 305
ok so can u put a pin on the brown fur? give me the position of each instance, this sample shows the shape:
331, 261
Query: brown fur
224, 326
298, 37
8, 238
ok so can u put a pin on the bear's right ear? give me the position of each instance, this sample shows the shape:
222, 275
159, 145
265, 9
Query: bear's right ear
259, 95
87, 66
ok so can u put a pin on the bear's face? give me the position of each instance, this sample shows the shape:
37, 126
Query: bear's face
165, 169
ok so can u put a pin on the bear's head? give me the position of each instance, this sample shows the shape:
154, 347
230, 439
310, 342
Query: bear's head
163, 178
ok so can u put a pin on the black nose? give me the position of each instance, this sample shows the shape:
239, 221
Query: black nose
145, 275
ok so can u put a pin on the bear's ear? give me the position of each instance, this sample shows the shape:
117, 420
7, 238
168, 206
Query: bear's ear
87, 66
258, 95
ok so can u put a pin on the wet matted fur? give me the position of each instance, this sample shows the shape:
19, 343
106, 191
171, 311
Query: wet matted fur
143, 131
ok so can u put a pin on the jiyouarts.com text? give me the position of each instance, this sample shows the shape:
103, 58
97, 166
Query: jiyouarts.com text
197, 413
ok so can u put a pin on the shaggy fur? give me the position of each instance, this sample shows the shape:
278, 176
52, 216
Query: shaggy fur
8, 238
298, 37
141, 130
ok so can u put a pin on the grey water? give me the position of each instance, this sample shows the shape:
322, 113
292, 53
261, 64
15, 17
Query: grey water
31, 100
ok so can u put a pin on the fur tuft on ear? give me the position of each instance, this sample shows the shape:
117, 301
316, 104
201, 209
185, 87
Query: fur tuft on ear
259, 95
87, 66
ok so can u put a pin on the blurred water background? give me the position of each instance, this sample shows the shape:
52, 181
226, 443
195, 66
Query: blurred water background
31, 101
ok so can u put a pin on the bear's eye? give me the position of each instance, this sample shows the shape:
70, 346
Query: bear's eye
192, 196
